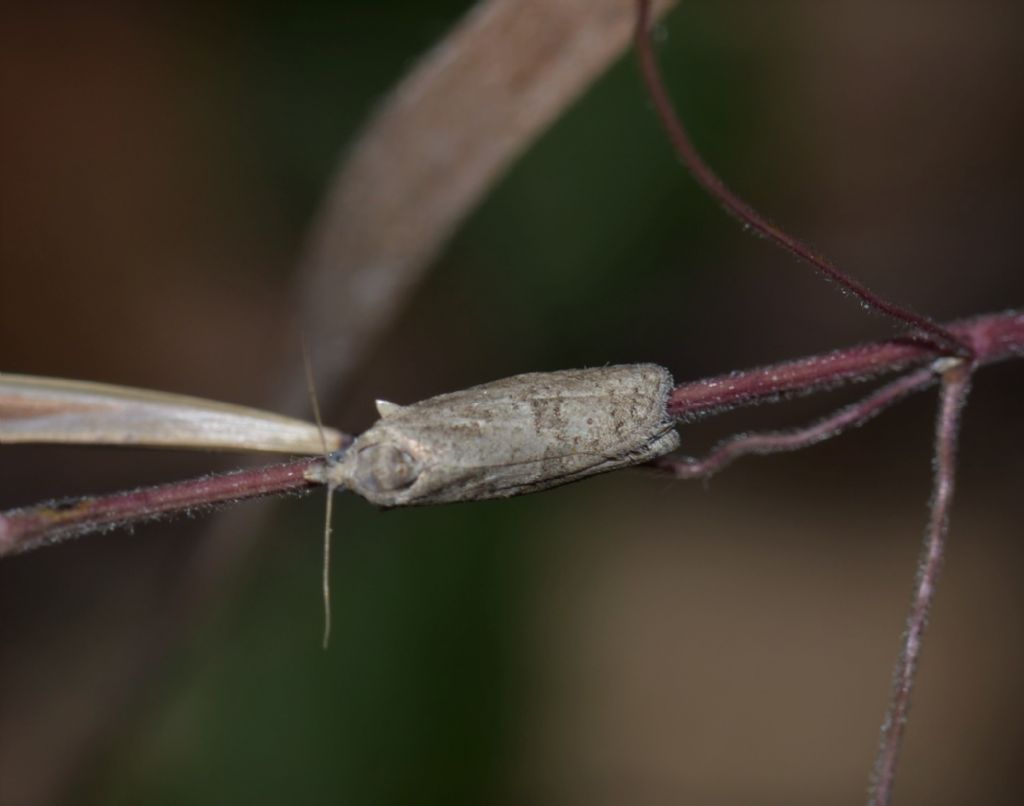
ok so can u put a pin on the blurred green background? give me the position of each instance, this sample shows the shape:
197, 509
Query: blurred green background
627, 640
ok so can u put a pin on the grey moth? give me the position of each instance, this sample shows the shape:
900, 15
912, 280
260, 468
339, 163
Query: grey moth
509, 437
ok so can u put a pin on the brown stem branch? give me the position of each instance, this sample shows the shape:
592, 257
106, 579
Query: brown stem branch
940, 338
992, 338
31, 527
851, 416
955, 386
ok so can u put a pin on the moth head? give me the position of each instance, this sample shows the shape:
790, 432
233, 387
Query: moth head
380, 469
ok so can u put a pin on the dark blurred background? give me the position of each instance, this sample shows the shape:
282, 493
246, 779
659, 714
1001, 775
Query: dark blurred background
626, 640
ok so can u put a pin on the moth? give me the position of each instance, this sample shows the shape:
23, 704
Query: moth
509, 437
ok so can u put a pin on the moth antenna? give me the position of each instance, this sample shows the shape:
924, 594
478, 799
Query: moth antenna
326, 580
307, 365
327, 565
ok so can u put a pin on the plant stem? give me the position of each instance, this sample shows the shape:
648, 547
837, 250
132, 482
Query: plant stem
955, 385
765, 442
31, 527
994, 337
943, 341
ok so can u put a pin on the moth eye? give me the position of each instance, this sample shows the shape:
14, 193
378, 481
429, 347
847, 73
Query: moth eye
385, 468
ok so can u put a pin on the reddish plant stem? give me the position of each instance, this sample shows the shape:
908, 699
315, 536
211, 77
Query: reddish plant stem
942, 340
994, 337
31, 527
955, 386
855, 414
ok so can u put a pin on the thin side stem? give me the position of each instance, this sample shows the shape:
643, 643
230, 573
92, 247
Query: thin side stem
942, 340
955, 386
851, 416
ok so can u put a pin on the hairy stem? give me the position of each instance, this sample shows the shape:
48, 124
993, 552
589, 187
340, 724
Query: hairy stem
855, 414
941, 339
993, 337
30, 527
955, 385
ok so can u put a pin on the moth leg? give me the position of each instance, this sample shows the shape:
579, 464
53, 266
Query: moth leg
326, 581
855, 414
331, 486
326, 473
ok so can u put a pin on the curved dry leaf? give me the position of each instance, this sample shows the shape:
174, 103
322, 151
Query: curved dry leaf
433, 149
54, 410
